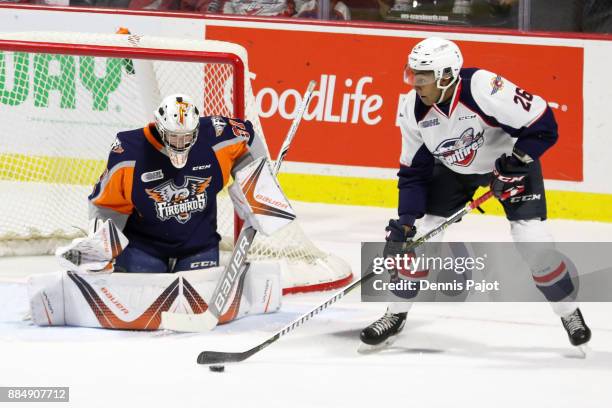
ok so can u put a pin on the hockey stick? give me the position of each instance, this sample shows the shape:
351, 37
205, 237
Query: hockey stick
219, 357
220, 297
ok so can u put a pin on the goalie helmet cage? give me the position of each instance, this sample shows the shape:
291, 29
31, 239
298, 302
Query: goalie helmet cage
66, 95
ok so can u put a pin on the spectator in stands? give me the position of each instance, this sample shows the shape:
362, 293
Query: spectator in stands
280, 8
590, 16
162, 5
310, 9
490, 13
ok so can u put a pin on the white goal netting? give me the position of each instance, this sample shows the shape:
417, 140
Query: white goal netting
63, 98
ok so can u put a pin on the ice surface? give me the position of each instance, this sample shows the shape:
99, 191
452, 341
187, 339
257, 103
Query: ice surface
476, 355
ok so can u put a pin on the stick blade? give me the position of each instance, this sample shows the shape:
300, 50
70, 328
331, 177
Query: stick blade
218, 357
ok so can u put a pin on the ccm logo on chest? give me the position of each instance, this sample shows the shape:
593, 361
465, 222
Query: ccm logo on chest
203, 167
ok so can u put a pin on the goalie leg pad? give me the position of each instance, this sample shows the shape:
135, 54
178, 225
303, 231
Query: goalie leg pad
117, 301
258, 291
135, 301
46, 293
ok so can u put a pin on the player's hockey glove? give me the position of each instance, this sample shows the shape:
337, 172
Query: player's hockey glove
508, 177
398, 237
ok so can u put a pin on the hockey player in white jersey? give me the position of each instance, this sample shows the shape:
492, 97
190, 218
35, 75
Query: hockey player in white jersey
463, 128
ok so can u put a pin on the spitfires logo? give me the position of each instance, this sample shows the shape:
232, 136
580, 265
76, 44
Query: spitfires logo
180, 202
460, 151
497, 84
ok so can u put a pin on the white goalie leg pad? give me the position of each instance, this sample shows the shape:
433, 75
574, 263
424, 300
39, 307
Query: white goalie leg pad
137, 301
259, 199
116, 301
46, 293
263, 288
95, 252
258, 291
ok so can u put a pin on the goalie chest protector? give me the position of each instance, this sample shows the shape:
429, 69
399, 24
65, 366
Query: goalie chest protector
170, 211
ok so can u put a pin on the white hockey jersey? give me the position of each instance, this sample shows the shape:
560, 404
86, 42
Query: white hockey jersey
486, 117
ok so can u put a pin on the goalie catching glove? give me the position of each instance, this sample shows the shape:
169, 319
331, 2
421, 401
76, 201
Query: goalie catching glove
258, 198
96, 252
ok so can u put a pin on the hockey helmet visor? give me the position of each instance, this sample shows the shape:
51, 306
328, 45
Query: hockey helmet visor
418, 78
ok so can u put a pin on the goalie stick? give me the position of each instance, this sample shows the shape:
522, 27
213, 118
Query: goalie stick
220, 357
220, 297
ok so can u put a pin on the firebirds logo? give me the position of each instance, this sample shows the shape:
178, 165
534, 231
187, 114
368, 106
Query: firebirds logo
180, 202
460, 151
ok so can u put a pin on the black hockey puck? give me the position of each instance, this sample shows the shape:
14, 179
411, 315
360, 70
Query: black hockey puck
217, 368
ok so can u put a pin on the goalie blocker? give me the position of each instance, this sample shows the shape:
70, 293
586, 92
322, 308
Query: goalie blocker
258, 198
135, 301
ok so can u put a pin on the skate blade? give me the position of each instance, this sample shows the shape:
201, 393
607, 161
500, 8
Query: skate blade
375, 348
584, 350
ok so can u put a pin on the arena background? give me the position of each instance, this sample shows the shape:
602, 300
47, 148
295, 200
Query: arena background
349, 145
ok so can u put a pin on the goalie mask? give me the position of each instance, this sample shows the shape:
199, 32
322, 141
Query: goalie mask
177, 120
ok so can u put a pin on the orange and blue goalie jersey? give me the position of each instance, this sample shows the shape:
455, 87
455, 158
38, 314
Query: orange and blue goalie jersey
165, 211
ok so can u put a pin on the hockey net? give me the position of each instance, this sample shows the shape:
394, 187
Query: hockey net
63, 98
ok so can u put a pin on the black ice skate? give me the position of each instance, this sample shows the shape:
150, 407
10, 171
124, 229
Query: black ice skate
382, 332
578, 332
